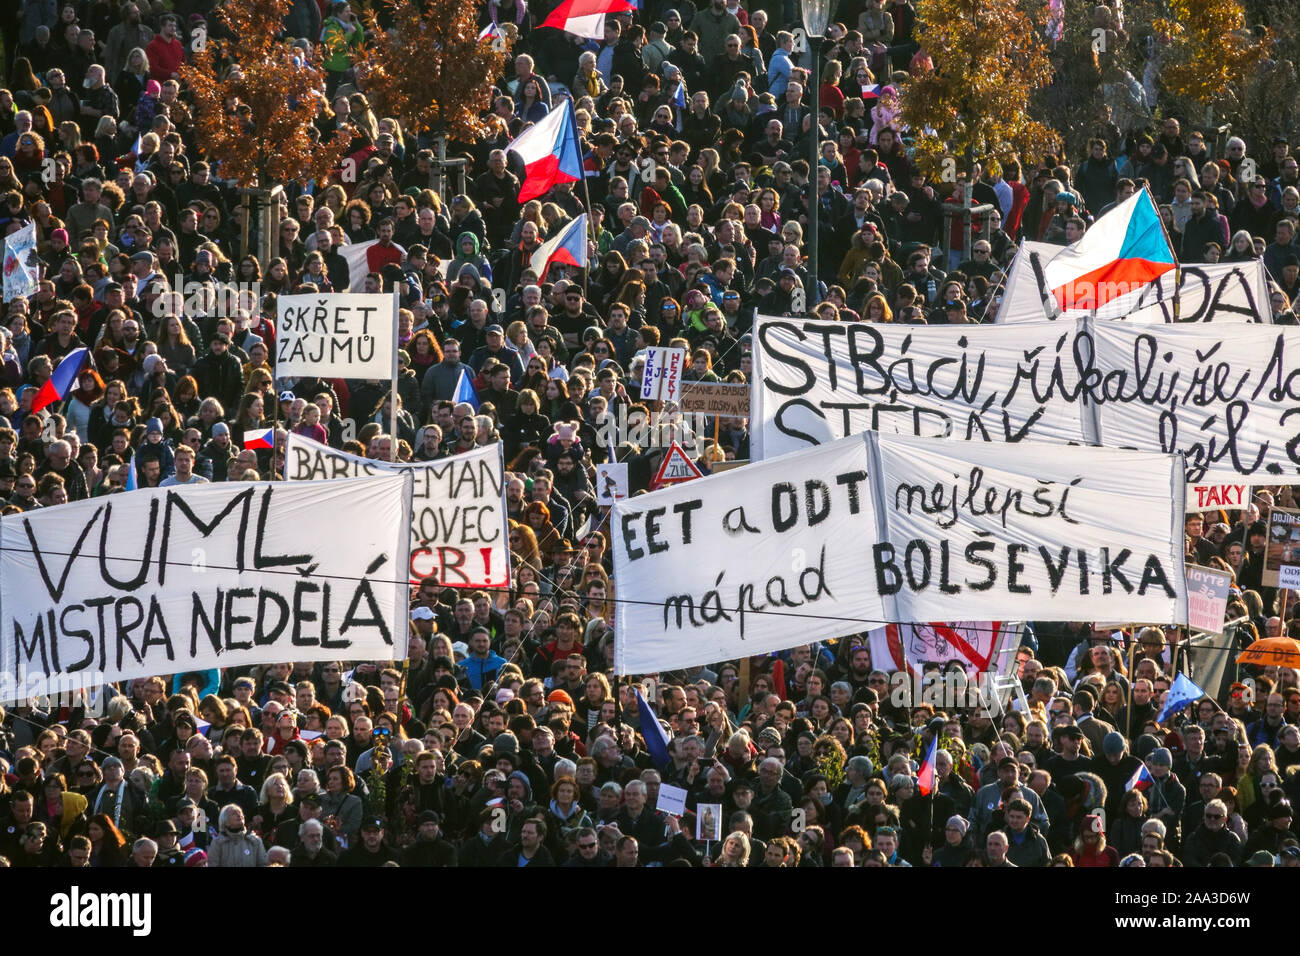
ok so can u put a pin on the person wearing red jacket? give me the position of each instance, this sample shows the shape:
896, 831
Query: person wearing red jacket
1019, 198
165, 51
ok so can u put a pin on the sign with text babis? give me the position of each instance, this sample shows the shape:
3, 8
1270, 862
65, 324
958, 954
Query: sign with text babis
458, 515
345, 335
171, 580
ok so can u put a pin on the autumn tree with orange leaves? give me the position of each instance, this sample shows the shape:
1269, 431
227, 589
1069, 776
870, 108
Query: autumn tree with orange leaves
255, 99
430, 68
989, 56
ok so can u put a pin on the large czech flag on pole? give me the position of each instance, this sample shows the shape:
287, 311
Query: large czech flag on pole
1124, 251
567, 247
585, 18
550, 153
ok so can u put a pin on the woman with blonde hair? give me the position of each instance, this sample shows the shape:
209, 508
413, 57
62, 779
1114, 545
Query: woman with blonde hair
735, 850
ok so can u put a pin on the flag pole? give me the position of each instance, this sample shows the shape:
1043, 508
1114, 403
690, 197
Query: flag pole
1178, 272
586, 190
392, 395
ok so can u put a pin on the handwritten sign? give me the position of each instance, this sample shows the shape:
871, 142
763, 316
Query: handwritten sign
458, 518
1207, 292
349, 335
662, 378
878, 528
817, 381
723, 399
172, 580
1214, 497
1207, 598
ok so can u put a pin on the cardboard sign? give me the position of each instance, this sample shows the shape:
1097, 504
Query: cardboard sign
1214, 497
343, 335
672, 800
611, 483
675, 468
1282, 551
1207, 598
717, 398
662, 378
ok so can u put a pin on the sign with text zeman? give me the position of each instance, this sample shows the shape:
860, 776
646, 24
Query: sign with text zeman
170, 580
458, 516
348, 335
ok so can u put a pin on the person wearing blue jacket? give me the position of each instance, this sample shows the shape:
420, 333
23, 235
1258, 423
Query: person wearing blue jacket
483, 664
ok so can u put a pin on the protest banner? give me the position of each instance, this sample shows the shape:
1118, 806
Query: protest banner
611, 483
661, 379
748, 562
976, 645
22, 268
1282, 551
817, 381
1207, 598
1214, 497
173, 580
723, 399
1207, 292
878, 528
458, 516
1019, 531
1227, 398
346, 335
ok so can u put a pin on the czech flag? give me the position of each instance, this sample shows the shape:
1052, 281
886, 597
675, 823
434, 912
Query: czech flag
567, 247
132, 479
584, 18
550, 153
1140, 780
465, 391
925, 777
1124, 251
871, 91
679, 103
262, 438
490, 32
58, 385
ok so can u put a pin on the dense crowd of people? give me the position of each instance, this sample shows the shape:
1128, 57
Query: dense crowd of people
504, 739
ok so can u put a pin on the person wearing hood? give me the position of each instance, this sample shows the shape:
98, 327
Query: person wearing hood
234, 846
155, 447
469, 254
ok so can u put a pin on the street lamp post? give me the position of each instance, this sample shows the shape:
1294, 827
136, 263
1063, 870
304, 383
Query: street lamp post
816, 17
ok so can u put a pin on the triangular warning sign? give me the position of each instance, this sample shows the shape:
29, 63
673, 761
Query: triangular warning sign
676, 468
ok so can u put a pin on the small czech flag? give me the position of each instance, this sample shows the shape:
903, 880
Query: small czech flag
262, 438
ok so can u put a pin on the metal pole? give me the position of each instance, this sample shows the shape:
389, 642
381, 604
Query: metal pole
392, 397
814, 138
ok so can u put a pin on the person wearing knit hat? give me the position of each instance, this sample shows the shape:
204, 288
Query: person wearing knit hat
956, 850
561, 696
